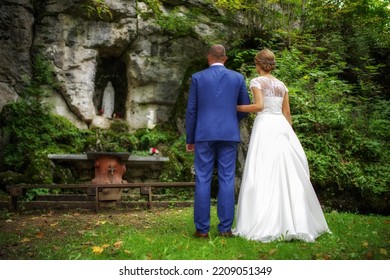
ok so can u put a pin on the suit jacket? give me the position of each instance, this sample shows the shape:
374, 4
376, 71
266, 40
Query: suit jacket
211, 109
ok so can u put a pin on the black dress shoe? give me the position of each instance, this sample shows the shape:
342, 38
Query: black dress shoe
226, 234
201, 235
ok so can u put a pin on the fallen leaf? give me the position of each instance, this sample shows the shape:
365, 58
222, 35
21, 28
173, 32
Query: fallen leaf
8, 221
40, 234
54, 224
24, 240
97, 250
104, 246
118, 244
383, 251
365, 244
272, 251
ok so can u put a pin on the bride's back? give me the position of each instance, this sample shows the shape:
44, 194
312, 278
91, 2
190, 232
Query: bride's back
273, 93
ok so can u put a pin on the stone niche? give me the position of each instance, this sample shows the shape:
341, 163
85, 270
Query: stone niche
110, 73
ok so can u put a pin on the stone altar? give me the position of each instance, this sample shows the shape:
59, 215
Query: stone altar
109, 168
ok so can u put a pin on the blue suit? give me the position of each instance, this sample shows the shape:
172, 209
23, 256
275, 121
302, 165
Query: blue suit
212, 124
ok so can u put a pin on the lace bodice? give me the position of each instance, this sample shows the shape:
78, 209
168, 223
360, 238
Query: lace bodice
273, 93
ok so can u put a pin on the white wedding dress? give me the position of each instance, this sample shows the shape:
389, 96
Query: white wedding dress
277, 200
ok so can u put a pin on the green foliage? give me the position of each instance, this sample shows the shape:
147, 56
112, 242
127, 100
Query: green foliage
242, 60
33, 132
98, 7
39, 168
342, 126
32, 129
119, 126
9, 178
116, 139
149, 138
154, 6
33, 193
357, 30
232, 5
172, 146
333, 127
41, 84
263, 18
176, 22
180, 165
109, 141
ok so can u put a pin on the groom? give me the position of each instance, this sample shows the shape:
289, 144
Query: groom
212, 127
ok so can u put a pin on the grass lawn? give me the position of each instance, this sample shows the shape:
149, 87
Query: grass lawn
167, 234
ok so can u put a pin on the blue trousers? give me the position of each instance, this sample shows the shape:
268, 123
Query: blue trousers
223, 154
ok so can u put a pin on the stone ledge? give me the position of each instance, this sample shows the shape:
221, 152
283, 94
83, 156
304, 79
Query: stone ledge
124, 156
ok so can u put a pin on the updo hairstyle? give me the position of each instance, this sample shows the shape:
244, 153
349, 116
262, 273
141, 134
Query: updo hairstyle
266, 60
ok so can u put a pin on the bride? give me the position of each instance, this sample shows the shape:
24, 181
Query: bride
277, 200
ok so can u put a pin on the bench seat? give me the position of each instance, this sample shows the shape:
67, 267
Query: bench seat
16, 191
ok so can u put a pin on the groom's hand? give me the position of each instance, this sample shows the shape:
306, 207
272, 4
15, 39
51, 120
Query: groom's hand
190, 147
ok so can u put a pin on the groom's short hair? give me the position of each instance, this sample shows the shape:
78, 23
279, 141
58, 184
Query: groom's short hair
217, 51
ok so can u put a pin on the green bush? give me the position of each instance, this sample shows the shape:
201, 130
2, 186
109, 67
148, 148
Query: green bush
110, 141
344, 153
344, 134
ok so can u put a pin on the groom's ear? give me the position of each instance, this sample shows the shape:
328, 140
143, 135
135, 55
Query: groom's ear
209, 59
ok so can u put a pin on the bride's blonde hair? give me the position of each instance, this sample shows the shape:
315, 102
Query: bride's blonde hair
266, 59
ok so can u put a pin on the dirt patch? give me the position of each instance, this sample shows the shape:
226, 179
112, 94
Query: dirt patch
20, 232
15, 222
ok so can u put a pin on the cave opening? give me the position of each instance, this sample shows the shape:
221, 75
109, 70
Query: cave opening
110, 73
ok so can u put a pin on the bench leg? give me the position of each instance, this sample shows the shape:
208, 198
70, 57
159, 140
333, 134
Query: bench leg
97, 199
14, 193
13, 203
150, 197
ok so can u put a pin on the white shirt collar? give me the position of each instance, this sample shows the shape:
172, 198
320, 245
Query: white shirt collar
217, 64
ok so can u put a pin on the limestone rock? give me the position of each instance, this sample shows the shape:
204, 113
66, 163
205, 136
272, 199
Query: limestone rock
146, 63
16, 37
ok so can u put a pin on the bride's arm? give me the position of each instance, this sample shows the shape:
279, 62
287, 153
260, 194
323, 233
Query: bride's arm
286, 108
258, 104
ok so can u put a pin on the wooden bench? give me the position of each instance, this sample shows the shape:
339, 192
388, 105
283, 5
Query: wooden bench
16, 191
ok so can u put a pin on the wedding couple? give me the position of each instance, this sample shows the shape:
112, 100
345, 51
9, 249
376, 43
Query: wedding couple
276, 199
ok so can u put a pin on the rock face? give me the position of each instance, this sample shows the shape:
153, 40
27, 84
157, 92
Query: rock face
16, 37
146, 64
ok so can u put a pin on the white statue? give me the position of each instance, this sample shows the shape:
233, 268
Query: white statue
151, 120
108, 101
